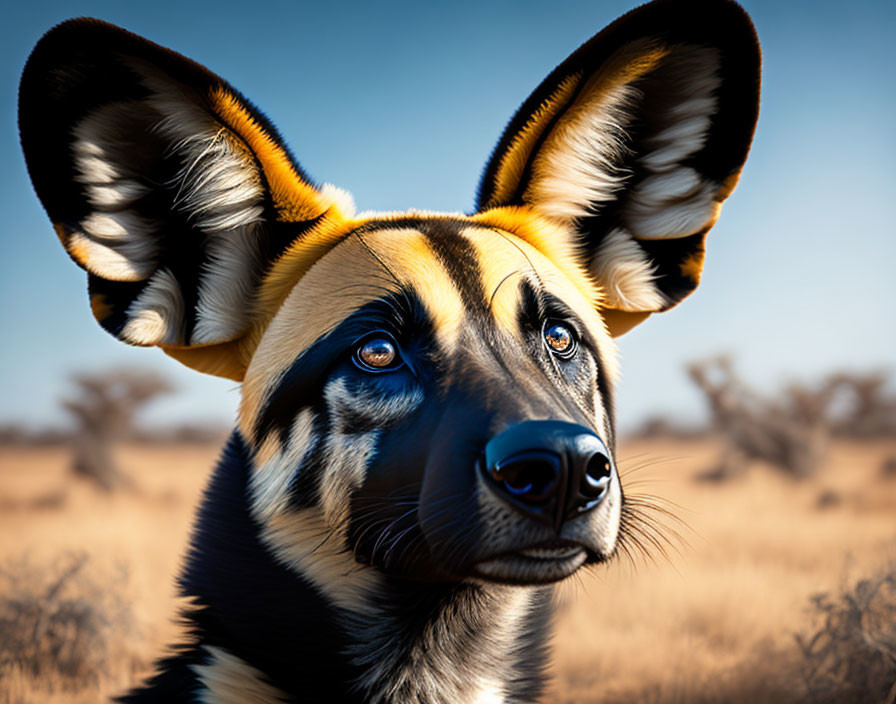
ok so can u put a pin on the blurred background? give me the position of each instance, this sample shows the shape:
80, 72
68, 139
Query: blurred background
769, 392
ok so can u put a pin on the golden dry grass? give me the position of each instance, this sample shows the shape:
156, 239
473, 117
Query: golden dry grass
713, 622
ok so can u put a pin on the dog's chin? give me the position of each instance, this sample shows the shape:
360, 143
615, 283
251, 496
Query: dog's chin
537, 564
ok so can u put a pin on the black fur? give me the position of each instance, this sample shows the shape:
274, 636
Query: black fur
246, 602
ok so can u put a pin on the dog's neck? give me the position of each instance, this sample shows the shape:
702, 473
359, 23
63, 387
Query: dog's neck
262, 633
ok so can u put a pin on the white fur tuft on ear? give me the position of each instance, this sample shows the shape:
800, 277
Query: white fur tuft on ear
674, 216
625, 273
219, 190
339, 197
671, 200
226, 284
156, 317
118, 243
577, 168
115, 196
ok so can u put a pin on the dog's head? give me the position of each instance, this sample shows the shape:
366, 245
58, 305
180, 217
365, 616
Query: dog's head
429, 395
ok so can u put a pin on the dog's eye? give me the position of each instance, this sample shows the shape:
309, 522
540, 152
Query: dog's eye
560, 339
378, 353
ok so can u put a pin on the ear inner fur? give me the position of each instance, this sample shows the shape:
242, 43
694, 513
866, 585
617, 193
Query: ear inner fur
633, 143
167, 186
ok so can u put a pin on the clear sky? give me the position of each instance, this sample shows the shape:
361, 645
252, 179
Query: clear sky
401, 103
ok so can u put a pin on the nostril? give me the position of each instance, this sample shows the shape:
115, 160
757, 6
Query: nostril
597, 475
531, 476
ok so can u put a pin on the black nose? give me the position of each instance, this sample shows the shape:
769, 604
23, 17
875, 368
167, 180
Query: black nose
549, 470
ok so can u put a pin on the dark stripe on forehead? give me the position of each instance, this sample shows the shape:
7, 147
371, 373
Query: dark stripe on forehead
453, 250
461, 261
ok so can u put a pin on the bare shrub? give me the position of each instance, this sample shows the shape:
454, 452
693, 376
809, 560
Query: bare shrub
888, 467
660, 427
791, 429
51, 500
18, 435
791, 435
829, 498
851, 657
104, 406
57, 624
867, 406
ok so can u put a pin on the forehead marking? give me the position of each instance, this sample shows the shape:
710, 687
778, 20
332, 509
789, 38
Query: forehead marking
355, 272
506, 258
460, 259
556, 242
502, 263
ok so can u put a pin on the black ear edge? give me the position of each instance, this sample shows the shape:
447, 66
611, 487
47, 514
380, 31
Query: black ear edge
51, 100
719, 24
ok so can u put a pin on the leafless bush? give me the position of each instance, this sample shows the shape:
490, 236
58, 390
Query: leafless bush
104, 406
851, 657
864, 407
47, 501
791, 429
184, 434
658, 427
56, 623
19, 435
790, 435
888, 467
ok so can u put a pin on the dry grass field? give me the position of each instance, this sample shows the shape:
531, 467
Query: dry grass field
86, 579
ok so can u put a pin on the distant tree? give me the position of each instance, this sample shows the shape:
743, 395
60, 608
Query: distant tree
104, 406
867, 405
791, 430
13, 434
789, 434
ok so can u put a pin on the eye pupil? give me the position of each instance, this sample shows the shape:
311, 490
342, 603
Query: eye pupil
559, 338
378, 353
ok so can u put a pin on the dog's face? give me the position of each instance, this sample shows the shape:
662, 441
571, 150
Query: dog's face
435, 338
427, 396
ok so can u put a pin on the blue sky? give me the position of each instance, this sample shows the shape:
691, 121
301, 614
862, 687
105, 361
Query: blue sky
401, 103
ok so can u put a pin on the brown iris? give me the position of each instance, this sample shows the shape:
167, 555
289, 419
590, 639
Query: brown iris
378, 353
559, 339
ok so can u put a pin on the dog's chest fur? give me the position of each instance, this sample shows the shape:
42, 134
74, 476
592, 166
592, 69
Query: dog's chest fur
266, 635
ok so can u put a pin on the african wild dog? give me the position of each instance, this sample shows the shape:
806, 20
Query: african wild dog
425, 436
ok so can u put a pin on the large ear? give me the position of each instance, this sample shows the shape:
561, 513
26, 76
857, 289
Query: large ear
166, 185
633, 143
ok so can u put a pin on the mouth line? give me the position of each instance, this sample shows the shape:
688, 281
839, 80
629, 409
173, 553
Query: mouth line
536, 564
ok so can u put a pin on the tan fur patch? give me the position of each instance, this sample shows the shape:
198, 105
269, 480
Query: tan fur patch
228, 680
692, 267
620, 322
100, 307
553, 240
311, 547
360, 269
503, 254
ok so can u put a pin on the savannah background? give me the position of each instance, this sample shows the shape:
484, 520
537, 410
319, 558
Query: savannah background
766, 563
